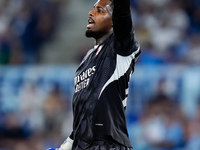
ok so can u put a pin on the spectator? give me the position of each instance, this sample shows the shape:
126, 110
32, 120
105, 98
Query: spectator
55, 112
28, 24
162, 124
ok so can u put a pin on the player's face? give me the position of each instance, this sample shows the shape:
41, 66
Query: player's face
100, 19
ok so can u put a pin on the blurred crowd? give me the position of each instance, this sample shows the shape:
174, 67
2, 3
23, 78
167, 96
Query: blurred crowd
40, 121
163, 126
24, 26
164, 122
35, 107
35, 103
168, 30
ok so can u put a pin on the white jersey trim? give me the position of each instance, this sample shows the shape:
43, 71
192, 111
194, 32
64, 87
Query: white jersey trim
122, 65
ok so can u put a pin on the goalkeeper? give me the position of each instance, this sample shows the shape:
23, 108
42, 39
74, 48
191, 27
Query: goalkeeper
102, 80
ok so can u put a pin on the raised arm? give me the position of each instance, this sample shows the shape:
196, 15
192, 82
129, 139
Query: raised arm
122, 23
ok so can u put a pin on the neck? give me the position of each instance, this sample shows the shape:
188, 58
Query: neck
103, 38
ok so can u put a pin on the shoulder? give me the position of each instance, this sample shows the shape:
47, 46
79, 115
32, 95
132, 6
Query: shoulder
125, 46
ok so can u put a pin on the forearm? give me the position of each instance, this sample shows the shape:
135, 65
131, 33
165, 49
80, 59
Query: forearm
122, 22
121, 7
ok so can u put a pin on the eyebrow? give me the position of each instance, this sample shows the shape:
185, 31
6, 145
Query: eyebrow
98, 7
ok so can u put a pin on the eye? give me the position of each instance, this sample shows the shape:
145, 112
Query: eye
100, 11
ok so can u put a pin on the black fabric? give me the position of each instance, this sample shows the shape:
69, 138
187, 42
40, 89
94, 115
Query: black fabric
91, 109
101, 85
104, 145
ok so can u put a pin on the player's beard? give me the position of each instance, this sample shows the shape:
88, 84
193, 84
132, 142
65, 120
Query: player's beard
95, 35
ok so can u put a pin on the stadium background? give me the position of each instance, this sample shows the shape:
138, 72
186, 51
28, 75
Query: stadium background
41, 44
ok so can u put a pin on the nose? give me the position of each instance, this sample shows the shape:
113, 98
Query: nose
91, 13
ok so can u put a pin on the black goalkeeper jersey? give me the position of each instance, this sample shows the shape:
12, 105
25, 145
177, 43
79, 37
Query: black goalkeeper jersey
102, 82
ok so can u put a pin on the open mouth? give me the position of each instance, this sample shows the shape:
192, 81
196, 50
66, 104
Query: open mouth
90, 22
